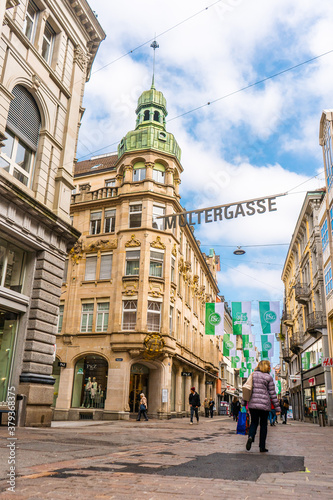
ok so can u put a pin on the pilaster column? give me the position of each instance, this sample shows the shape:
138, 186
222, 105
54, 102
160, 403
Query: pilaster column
149, 169
177, 182
119, 180
169, 175
128, 169
178, 399
202, 387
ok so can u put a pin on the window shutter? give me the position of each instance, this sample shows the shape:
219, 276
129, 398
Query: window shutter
24, 117
91, 263
106, 266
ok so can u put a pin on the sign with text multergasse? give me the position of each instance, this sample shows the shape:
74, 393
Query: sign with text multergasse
222, 212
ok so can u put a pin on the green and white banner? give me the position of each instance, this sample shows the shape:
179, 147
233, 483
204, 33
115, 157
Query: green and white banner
214, 324
248, 344
241, 317
236, 360
229, 345
267, 346
269, 313
251, 358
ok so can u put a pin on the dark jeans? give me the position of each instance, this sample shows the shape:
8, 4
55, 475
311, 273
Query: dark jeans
194, 410
144, 413
272, 417
284, 412
256, 417
206, 412
211, 411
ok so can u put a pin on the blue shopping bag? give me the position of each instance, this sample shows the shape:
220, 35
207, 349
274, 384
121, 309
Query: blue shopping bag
241, 424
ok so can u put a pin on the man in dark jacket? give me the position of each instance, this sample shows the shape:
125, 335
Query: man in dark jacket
194, 400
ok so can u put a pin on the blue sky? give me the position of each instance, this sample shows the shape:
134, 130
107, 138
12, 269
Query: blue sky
258, 142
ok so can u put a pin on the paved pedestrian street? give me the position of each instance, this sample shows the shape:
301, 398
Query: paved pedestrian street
168, 459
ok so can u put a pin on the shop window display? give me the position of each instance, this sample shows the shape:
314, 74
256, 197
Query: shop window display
90, 382
8, 328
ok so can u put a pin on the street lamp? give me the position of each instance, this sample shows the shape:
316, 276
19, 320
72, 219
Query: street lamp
239, 251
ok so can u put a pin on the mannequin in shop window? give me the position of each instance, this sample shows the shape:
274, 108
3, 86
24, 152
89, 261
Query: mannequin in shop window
87, 395
93, 392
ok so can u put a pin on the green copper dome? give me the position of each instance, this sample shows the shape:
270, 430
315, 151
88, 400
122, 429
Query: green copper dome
150, 131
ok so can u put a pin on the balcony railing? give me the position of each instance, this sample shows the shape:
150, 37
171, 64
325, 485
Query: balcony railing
316, 321
98, 194
302, 293
287, 318
286, 354
296, 341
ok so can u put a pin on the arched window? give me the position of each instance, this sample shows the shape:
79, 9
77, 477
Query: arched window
159, 173
156, 116
90, 382
146, 115
23, 126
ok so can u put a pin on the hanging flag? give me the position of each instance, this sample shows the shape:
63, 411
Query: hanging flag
229, 345
251, 356
267, 346
278, 387
241, 317
236, 360
269, 313
214, 324
248, 342
306, 360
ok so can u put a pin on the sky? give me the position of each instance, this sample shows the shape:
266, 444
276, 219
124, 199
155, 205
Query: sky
247, 143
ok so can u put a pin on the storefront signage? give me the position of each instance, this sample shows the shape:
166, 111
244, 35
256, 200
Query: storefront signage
186, 374
210, 382
312, 381
119, 359
164, 395
313, 406
220, 212
62, 364
327, 362
295, 377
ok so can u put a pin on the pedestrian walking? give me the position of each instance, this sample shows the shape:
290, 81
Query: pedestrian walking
206, 407
235, 408
143, 407
263, 394
284, 409
272, 415
211, 407
194, 400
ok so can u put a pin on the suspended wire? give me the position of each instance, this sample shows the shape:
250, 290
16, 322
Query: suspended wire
252, 85
233, 93
158, 36
255, 279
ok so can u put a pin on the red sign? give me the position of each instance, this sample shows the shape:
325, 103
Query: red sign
313, 406
327, 362
312, 381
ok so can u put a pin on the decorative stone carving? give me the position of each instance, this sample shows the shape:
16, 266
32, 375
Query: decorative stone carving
154, 345
76, 252
101, 245
67, 339
155, 289
130, 288
174, 250
158, 243
85, 187
80, 58
134, 353
36, 82
133, 242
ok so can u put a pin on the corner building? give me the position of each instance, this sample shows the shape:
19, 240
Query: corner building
133, 300
47, 48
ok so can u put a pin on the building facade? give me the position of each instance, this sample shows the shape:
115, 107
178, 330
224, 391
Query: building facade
46, 52
326, 224
132, 313
304, 338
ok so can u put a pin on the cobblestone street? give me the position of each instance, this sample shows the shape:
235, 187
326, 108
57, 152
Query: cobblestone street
170, 459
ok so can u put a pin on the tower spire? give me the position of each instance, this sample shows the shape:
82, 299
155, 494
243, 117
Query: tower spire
155, 46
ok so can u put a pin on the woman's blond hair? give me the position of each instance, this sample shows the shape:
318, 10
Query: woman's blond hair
264, 366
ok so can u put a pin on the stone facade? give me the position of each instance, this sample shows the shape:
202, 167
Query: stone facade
133, 300
303, 338
46, 53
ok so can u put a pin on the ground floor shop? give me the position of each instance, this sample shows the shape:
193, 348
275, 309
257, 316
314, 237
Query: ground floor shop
94, 385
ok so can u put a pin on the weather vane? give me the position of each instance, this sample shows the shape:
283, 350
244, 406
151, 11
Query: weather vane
155, 46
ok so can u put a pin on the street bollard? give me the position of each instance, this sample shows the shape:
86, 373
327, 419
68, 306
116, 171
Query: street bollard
322, 422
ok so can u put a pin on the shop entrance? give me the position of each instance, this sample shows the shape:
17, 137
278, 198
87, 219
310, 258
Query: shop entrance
138, 383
